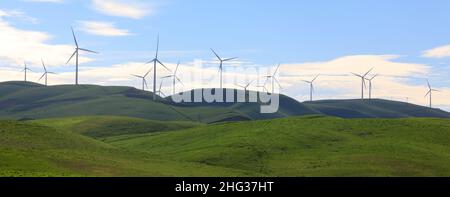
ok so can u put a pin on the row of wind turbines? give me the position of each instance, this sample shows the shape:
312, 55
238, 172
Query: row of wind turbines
272, 78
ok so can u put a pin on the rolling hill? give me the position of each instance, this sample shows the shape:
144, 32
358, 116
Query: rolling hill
294, 146
374, 108
23, 101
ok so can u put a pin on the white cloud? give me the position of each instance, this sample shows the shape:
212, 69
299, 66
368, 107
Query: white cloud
102, 28
122, 8
19, 15
19, 45
439, 52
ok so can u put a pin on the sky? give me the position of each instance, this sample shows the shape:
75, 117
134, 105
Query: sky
405, 42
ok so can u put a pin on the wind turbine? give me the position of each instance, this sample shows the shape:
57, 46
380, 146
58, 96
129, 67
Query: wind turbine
221, 61
370, 85
311, 87
155, 62
159, 92
274, 78
175, 78
363, 81
75, 53
144, 81
25, 70
245, 87
430, 92
45, 72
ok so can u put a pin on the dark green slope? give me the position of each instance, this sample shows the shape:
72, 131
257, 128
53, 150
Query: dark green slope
19, 100
374, 108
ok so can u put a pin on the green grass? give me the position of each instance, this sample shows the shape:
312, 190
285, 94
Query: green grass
296, 146
31, 149
310, 146
108, 126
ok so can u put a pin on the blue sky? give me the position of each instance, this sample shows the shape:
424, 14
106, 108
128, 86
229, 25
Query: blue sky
262, 33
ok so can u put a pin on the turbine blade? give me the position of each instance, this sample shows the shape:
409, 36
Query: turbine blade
315, 78
374, 77
176, 69
137, 76
148, 72
278, 82
163, 65
74, 37
429, 92
72, 56
179, 80
45, 69
145, 82
276, 70
88, 50
368, 72
428, 82
157, 47
229, 59
42, 76
216, 54
357, 75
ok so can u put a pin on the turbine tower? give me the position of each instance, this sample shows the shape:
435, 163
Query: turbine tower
25, 70
75, 53
155, 64
370, 85
45, 72
363, 81
430, 93
221, 61
311, 87
175, 78
274, 79
144, 81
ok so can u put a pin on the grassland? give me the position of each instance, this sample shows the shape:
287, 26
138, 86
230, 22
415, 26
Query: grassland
295, 146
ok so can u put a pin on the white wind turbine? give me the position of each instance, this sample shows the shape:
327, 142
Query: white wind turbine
274, 79
245, 87
76, 53
159, 92
45, 72
311, 87
25, 70
430, 92
221, 61
175, 78
144, 81
370, 85
155, 62
363, 81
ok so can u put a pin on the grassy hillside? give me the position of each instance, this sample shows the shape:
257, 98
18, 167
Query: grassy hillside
309, 146
32, 149
108, 126
19, 100
374, 108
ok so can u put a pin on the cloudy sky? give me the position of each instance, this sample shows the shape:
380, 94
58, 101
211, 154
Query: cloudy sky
406, 42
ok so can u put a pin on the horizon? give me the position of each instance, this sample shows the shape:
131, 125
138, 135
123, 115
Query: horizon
307, 38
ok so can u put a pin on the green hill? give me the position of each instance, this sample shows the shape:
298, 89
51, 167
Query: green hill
295, 146
374, 108
309, 146
24, 101
33, 149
